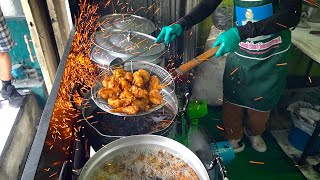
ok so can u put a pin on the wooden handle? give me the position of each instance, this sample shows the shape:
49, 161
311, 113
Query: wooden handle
196, 61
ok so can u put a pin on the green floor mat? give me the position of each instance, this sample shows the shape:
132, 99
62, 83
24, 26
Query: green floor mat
276, 163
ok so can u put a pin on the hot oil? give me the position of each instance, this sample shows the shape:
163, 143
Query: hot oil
145, 164
109, 124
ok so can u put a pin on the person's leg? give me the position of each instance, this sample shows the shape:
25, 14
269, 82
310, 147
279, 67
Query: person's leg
8, 91
255, 126
233, 125
5, 66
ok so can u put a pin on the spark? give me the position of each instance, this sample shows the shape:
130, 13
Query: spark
282, 25
310, 80
155, 12
52, 174
48, 169
234, 71
256, 162
212, 39
257, 99
282, 64
150, 7
221, 128
220, 100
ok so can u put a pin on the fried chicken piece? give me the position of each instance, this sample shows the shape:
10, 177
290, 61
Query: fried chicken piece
119, 72
126, 94
155, 97
129, 76
105, 81
137, 79
145, 75
131, 110
141, 103
105, 93
127, 97
114, 86
154, 83
139, 92
124, 83
115, 102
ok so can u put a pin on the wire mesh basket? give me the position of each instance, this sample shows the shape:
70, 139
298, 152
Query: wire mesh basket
131, 66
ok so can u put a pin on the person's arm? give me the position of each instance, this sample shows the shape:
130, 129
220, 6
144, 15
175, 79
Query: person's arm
199, 13
287, 17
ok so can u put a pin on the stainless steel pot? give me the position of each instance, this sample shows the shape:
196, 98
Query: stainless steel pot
127, 22
125, 44
144, 142
102, 58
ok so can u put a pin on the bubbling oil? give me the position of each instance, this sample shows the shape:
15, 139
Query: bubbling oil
144, 165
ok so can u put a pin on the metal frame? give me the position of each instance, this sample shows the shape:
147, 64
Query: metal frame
31, 165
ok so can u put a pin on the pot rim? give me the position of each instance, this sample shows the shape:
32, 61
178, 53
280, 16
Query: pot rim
152, 142
153, 26
122, 55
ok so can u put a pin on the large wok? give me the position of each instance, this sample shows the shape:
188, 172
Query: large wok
144, 142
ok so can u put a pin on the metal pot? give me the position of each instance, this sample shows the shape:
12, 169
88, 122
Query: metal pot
102, 128
125, 44
144, 142
102, 58
126, 22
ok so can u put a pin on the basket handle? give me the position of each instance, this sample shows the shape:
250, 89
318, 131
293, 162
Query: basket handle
196, 61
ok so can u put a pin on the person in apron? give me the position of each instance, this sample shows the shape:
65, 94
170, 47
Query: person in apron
256, 66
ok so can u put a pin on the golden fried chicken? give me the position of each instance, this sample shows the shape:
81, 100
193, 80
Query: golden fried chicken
145, 75
105, 81
154, 83
129, 93
137, 79
141, 103
127, 97
155, 97
129, 76
131, 110
126, 85
126, 94
105, 93
119, 72
115, 102
139, 92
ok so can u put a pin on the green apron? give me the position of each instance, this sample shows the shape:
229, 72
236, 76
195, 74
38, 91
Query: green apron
255, 74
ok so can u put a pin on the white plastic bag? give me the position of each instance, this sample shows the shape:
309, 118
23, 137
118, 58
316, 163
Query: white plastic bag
304, 116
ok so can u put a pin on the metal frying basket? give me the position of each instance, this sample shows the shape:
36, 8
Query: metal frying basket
164, 76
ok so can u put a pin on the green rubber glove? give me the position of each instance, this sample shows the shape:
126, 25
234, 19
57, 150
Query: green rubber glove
228, 42
169, 33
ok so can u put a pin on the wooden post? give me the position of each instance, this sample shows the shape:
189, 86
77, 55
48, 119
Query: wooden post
61, 22
42, 38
